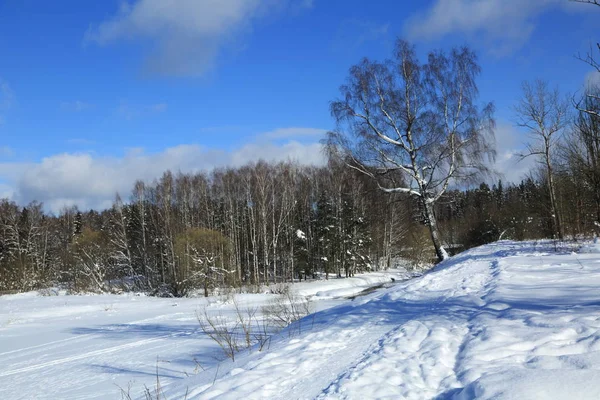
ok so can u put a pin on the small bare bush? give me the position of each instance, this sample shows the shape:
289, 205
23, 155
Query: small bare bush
47, 292
286, 309
248, 328
245, 320
221, 330
280, 288
150, 393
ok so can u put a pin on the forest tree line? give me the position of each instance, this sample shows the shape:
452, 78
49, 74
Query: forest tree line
254, 225
265, 223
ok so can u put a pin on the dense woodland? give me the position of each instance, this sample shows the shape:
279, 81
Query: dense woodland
267, 223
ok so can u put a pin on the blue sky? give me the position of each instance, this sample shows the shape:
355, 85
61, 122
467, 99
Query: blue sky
96, 94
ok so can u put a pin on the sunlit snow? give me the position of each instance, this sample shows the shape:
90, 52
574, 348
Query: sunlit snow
504, 321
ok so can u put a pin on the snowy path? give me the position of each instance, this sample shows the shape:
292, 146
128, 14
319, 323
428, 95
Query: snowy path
505, 321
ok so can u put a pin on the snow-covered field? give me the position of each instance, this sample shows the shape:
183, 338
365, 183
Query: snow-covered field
91, 347
504, 321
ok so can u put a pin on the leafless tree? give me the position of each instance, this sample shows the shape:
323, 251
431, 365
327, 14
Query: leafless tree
199, 259
92, 261
581, 152
543, 113
592, 60
142, 247
418, 119
119, 241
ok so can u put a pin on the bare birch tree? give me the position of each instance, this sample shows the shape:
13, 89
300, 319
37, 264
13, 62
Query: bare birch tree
421, 120
543, 113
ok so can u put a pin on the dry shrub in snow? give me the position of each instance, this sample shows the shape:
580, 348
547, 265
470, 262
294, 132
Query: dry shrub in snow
286, 309
248, 327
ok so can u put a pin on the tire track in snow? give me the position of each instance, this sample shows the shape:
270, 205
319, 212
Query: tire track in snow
85, 355
69, 339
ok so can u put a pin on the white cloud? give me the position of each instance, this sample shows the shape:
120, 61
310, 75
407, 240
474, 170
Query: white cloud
129, 111
186, 35
80, 142
159, 107
504, 24
288, 133
6, 95
90, 181
354, 33
6, 152
509, 143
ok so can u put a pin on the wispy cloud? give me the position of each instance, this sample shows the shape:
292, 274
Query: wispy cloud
158, 108
90, 181
6, 95
187, 36
510, 143
353, 33
505, 24
222, 129
294, 133
592, 79
6, 152
307, 3
75, 106
130, 111
81, 142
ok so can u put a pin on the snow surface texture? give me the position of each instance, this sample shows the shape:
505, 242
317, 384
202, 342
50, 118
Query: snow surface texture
504, 321
88, 347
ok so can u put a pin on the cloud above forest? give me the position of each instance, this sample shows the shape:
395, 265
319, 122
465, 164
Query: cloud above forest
294, 133
509, 144
91, 181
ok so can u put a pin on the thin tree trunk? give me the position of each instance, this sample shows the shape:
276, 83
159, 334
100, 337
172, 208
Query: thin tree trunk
558, 232
434, 231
